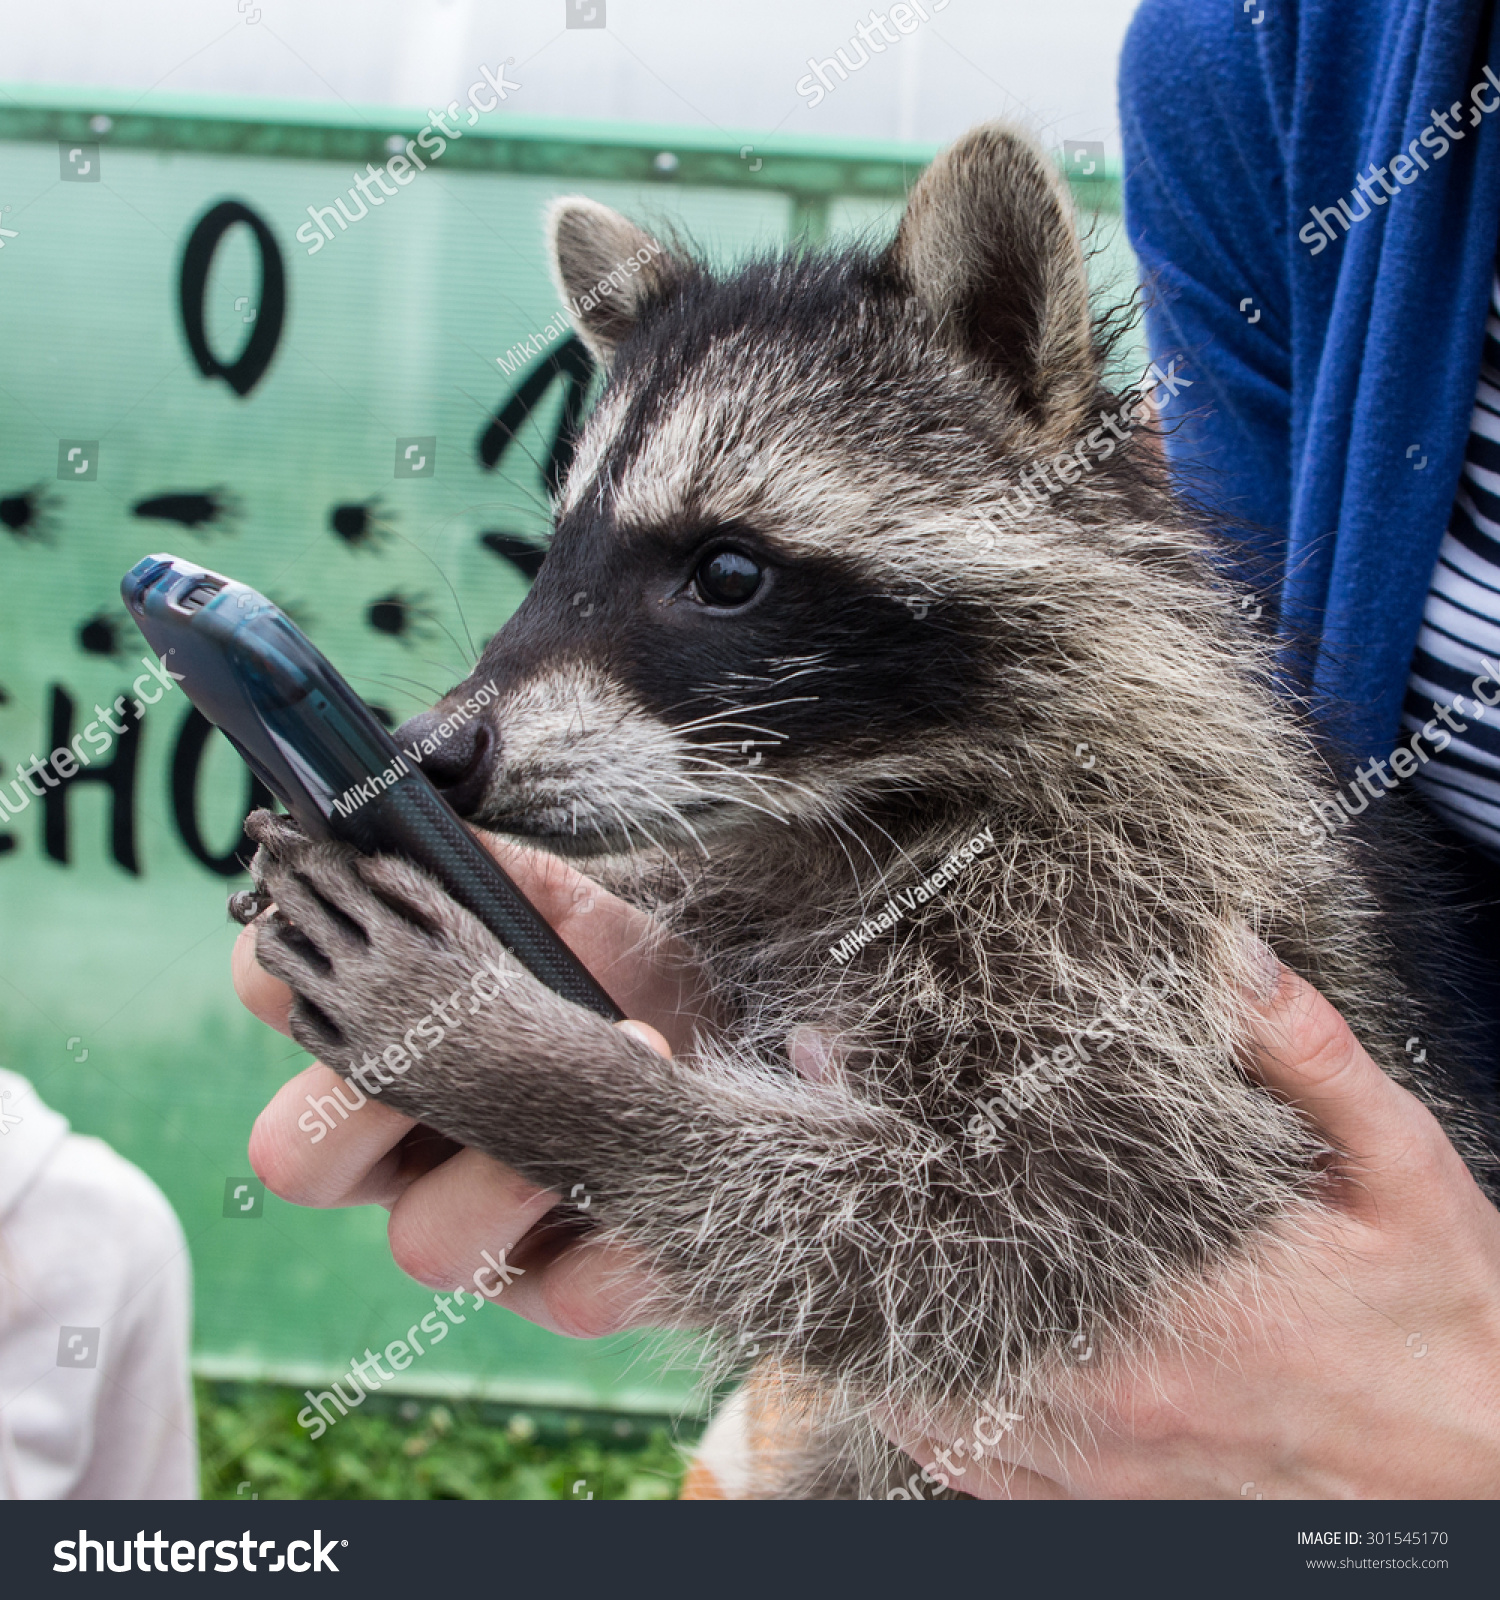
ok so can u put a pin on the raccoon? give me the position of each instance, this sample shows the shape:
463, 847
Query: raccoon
970, 823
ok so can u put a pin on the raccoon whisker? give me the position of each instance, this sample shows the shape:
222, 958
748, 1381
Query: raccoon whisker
755, 779
803, 672
860, 814
739, 800
735, 747
728, 720
669, 811
622, 819
734, 701
541, 502
720, 719
699, 757
837, 824
771, 677
722, 752
751, 775
735, 682
833, 822
458, 604
440, 666
665, 854
801, 661
442, 628
830, 819
387, 680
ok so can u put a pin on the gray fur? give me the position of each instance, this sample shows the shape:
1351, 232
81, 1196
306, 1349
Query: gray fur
761, 788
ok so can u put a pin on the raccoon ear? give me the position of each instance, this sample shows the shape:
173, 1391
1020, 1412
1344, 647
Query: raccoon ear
988, 245
605, 268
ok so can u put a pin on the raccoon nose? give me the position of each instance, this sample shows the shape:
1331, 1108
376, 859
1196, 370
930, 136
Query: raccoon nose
458, 762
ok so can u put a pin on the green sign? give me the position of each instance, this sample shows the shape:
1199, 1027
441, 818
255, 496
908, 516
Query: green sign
219, 342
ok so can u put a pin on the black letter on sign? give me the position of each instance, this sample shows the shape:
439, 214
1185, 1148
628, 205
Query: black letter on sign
117, 775
186, 759
571, 362
253, 360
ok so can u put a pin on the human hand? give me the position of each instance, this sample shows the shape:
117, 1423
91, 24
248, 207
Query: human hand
449, 1204
1363, 1363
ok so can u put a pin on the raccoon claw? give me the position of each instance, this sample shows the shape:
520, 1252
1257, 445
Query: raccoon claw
245, 905
315, 1030
333, 892
407, 892
273, 830
409, 997
349, 934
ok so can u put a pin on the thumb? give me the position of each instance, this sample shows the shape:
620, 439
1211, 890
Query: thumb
1303, 1050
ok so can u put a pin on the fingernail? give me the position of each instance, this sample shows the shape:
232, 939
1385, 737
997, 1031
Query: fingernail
1260, 971
647, 1035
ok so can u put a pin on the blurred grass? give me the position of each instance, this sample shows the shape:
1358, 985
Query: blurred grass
420, 1449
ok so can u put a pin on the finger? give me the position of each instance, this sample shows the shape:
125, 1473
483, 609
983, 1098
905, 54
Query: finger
646, 971
309, 1147
323, 897
584, 1290
442, 1224
648, 1036
1305, 1052
406, 891
266, 997
987, 1479
287, 953
997, 1480
554, 887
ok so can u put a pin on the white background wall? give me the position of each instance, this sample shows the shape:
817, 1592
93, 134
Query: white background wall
671, 61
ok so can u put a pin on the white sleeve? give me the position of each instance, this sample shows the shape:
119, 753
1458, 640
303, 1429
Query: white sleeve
95, 1396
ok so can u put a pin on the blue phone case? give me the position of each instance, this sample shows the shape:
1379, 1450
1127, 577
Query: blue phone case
313, 741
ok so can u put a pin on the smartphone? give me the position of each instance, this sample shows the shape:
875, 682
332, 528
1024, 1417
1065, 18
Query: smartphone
320, 749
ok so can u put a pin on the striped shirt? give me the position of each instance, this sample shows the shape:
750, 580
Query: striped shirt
1455, 671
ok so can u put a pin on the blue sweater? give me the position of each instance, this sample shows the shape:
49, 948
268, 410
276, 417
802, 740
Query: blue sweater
1336, 421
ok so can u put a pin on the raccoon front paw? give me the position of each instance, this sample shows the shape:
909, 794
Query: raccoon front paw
405, 993
365, 943
269, 830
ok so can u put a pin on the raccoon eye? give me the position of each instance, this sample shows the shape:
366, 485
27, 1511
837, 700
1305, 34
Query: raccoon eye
728, 578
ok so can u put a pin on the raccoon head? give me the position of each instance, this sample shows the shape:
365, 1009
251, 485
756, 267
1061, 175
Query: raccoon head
769, 593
